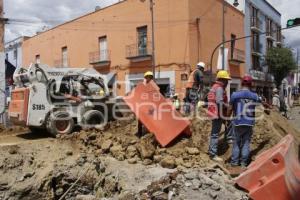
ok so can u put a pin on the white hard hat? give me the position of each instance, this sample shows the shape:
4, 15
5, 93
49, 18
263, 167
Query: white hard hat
201, 64
275, 90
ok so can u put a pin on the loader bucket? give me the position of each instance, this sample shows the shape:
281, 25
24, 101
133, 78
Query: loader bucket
275, 174
156, 113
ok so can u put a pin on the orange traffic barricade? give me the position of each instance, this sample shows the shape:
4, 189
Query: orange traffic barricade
157, 113
275, 174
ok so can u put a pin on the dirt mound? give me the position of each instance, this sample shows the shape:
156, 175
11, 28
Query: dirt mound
119, 140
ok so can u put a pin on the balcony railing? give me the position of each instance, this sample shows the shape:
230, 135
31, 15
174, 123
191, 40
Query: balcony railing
136, 51
255, 23
99, 56
237, 56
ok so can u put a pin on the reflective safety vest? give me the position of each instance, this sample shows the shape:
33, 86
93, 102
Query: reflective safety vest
176, 104
191, 79
213, 111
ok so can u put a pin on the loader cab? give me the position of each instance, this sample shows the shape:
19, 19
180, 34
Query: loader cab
89, 88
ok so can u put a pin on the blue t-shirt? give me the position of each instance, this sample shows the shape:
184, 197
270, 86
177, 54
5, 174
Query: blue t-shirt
244, 102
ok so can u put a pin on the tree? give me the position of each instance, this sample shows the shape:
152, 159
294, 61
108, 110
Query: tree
281, 62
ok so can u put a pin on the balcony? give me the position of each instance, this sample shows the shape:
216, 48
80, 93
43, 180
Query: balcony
99, 58
139, 53
237, 56
255, 24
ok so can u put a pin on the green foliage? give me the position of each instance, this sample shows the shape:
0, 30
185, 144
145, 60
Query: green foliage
281, 62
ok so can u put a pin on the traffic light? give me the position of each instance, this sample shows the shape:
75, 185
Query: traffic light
293, 22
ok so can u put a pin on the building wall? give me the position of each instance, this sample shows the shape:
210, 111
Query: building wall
177, 38
11, 47
265, 11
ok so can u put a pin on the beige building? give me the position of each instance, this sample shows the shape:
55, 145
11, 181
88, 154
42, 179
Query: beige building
118, 39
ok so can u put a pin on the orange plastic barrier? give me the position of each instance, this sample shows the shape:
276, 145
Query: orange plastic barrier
156, 113
18, 107
275, 174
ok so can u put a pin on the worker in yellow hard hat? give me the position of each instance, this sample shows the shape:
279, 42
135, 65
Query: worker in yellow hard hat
148, 78
217, 110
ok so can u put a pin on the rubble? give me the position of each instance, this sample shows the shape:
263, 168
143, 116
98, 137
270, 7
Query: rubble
45, 169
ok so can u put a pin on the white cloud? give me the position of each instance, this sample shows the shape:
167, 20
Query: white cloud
53, 12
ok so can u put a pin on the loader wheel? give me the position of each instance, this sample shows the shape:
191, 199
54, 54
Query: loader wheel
60, 123
92, 118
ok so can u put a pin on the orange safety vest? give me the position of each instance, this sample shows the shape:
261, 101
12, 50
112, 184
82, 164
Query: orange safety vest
191, 79
212, 104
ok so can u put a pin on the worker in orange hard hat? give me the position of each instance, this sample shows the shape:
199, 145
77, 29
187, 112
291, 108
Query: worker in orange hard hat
194, 87
217, 105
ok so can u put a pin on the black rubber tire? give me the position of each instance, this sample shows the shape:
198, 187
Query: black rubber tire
92, 118
66, 124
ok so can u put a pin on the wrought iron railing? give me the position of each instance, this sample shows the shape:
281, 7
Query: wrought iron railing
237, 55
137, 50
99, 56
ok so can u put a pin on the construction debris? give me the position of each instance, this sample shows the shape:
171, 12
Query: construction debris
46, 168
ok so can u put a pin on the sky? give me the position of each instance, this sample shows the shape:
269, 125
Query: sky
43, 14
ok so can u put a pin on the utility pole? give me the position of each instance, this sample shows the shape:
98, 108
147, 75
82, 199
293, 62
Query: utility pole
2, 64
153, 37
297, 62
223, 35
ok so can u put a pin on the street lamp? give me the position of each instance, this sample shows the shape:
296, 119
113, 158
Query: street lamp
236, 4
153, 37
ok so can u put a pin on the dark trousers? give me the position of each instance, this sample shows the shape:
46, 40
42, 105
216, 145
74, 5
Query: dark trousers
241, 145
214, 137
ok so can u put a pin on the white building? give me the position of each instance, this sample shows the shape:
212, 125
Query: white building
13, 51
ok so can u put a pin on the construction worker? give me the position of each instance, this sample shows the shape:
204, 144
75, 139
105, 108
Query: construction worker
194, 87
176, 102
148, 77
243, 103
217, 109
276, 100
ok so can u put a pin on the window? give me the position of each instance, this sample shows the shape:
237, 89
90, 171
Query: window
268, 26
269, 44
233, 37
37, 59
255, 42
64, 51
15, 54
254, 17
278, 34
142, 40
103, 49
255, 62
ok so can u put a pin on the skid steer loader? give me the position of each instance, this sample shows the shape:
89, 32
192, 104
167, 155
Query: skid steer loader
58, 99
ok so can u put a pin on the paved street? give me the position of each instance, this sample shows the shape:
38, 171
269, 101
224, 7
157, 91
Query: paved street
295, 115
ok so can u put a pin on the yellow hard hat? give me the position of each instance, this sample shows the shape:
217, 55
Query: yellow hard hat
101, 92
223, 74
148, 73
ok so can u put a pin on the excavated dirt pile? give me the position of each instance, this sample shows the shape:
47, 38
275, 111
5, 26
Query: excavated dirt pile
46, 168
119, 140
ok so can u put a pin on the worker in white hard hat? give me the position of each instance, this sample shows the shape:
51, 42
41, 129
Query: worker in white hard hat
194, 87
276, 100
176, 101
